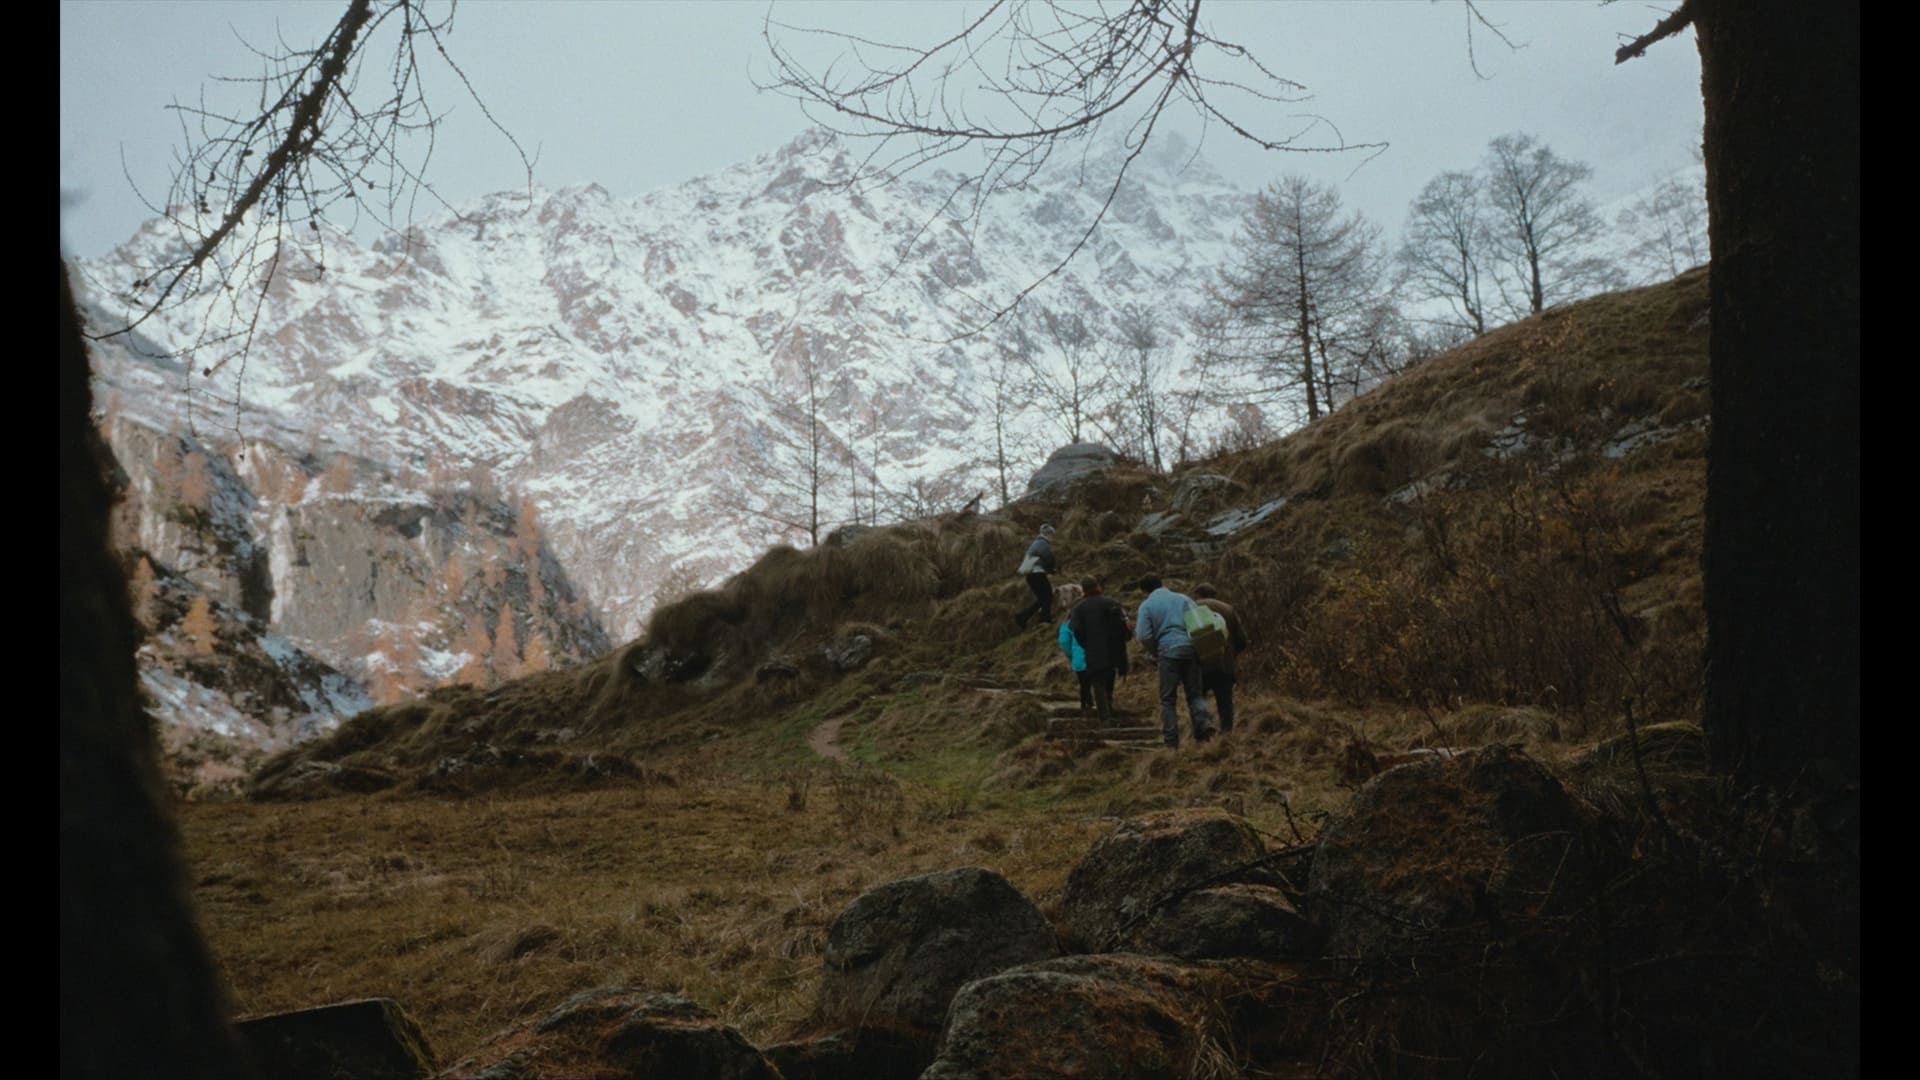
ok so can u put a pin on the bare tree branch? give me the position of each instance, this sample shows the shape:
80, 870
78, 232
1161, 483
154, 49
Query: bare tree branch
1041, 74
1679, 19
313, 145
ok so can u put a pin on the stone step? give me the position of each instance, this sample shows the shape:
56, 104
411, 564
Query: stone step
1085, 730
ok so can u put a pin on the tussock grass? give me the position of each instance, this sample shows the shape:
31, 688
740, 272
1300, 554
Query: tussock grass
1518, 599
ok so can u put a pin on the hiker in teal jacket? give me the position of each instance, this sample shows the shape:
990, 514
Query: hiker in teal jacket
1078, 657
1160, 627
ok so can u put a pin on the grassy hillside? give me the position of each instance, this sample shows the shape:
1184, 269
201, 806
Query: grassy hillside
1502, 544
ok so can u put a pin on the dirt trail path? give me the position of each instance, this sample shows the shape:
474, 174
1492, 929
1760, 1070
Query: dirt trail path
825, 739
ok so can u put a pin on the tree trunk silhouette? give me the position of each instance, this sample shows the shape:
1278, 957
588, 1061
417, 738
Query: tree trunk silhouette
139, 995
1782, 88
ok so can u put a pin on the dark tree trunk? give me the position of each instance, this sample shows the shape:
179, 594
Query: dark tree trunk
139, 996
1781, 81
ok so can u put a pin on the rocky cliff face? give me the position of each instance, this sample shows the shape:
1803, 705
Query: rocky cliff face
279, 598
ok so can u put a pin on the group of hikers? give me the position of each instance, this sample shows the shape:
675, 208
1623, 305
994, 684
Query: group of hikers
1192, 640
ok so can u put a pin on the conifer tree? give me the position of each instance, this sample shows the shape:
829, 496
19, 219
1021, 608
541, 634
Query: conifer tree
143, 591
339, 475
197, 626
454, 578
196, 484
506, 650
478, 647
526, 533
537, 657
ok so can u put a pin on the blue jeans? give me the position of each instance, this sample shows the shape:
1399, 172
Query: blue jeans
1177, 672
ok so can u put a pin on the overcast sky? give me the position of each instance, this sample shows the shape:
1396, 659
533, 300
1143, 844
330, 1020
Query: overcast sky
641, 95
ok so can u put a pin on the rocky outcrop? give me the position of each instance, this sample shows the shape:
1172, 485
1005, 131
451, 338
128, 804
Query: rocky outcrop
1450, 849
1229, 921
1118, 1017
1069, 463
369, 1039
847, 653
1146, 864
280, 596
871, 1052
898, 953
618, 1031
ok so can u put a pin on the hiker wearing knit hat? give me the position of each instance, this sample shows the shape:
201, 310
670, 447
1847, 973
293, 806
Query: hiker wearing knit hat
1035, 567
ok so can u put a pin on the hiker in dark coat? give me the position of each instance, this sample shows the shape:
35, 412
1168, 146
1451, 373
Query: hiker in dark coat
1218, 680
1035, 567
1099, 624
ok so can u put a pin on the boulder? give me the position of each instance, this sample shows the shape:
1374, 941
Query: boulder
871, 1053
898, 953
1231, 920
1450, 850
618, 1031
1068, 463
776, 669
369, 1039
1117, 1016
1147, 863
847, 653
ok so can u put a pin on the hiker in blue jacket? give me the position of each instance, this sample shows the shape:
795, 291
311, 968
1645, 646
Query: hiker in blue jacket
1035, 567
1160, 627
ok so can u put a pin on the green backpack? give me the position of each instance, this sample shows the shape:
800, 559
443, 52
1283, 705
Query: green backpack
1208, 629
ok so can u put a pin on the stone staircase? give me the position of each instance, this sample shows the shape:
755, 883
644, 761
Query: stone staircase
1065, 724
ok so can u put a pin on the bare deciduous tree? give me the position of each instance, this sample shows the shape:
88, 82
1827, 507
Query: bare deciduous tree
1064, 372
1669, 227
791, 458
1005, 406
1444, 247
1139, 367
1542, 226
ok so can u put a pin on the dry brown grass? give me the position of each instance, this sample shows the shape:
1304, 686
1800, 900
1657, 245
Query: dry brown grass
1519, 601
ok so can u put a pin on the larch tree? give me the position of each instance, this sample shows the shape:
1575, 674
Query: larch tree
198, 627
196, 482
144, 592
538, 655
526, 531
506, 649
478, 647
1297, 298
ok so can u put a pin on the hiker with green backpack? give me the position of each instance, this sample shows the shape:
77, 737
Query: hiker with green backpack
1217, 645
1161, 628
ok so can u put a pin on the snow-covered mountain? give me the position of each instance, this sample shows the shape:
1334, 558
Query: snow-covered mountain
636, 369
